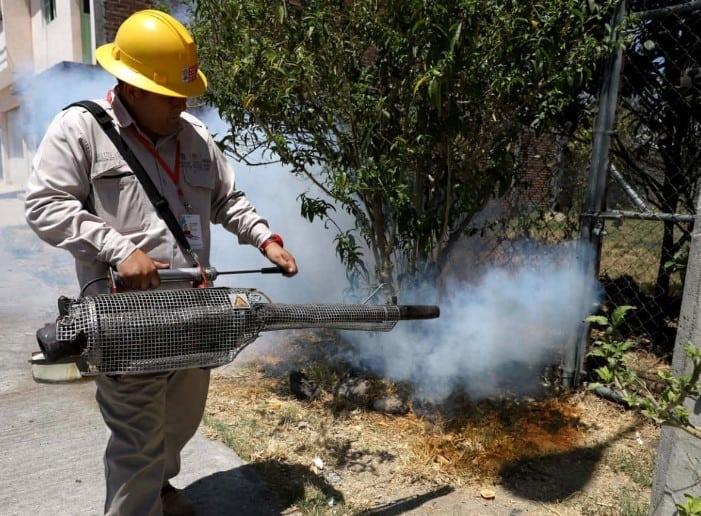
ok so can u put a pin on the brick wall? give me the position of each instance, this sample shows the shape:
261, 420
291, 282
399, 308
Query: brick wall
116, 11
551, 177
537, 160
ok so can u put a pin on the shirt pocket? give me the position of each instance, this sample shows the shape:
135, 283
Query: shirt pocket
118, 197
199, 177
198, 186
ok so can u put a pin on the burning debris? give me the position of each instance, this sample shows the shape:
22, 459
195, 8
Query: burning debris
302, 387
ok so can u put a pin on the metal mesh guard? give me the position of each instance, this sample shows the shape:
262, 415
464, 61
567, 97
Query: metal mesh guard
162, 330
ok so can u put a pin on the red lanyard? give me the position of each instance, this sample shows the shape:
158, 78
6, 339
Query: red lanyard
173, 173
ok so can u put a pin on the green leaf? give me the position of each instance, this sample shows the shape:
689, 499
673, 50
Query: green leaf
314, 208
599, 320
281, 13
619, 314
691, 506
456, 30
420, 83
605, 374
434, 92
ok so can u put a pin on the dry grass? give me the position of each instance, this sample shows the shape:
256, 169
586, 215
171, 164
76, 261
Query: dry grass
369, 458
633, 248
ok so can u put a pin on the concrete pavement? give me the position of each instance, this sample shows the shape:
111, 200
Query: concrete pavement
51, 435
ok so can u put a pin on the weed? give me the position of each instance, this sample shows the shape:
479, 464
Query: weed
639, 466
241, 436
289, 414
630, 504
690, 507
324, 373
316, 503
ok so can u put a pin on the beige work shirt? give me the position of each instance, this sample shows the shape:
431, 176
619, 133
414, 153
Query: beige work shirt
82, 196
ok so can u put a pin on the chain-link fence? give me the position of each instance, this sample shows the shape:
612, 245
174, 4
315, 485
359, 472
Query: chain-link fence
652, 185
632, 189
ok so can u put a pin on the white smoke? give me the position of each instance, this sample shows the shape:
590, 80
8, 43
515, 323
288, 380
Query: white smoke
273, 190
47, 93
493, 337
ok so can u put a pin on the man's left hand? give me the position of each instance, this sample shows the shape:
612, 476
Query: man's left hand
282, 258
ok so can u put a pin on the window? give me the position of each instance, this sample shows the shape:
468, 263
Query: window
85, 32
49, 9
15, 146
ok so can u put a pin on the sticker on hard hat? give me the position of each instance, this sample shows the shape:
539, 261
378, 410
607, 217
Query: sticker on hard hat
189, 74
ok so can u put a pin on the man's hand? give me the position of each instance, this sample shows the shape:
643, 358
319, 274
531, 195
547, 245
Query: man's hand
282, 258
139, 271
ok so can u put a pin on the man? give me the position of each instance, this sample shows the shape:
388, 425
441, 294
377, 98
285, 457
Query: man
83, 197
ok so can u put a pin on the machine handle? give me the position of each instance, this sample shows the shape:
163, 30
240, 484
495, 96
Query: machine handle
185, 274
194, 274
272, 270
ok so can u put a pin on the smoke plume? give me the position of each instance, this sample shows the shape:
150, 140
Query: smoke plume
494, 337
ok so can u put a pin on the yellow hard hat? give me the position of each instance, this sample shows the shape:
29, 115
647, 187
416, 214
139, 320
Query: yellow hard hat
155, 52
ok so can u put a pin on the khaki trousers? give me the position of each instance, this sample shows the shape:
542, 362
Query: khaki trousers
150, 418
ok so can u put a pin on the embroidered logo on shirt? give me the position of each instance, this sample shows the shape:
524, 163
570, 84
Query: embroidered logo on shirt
107, 156
194, 162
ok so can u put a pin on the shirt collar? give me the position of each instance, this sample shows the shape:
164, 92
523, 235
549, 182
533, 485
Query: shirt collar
121, 115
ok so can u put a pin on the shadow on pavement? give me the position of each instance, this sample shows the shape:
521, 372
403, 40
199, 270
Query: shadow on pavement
229, 492
243, 491
406, 504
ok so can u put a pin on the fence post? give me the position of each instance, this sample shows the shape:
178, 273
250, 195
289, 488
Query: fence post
590, 229
678, 469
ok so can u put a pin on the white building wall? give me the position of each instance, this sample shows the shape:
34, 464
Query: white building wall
59, 39
5, 70
15, 63
32, 45
15, 146
15, 41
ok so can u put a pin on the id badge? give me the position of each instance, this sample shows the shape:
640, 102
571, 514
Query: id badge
192, 228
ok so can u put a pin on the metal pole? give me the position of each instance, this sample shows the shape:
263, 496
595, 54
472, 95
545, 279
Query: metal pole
678, 10
619, 215
634, 196
590, 242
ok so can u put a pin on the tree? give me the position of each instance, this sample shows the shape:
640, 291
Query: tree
406, 113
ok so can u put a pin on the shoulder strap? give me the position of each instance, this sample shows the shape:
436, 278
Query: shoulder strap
159, 202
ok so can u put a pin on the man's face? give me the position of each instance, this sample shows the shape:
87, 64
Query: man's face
155, 114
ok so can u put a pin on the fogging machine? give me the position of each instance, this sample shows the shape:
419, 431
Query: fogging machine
161, 330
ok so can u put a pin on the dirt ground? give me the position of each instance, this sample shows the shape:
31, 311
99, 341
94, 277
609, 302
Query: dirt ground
565, 454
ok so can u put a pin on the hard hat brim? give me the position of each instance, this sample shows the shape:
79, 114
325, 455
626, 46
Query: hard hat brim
195, 88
